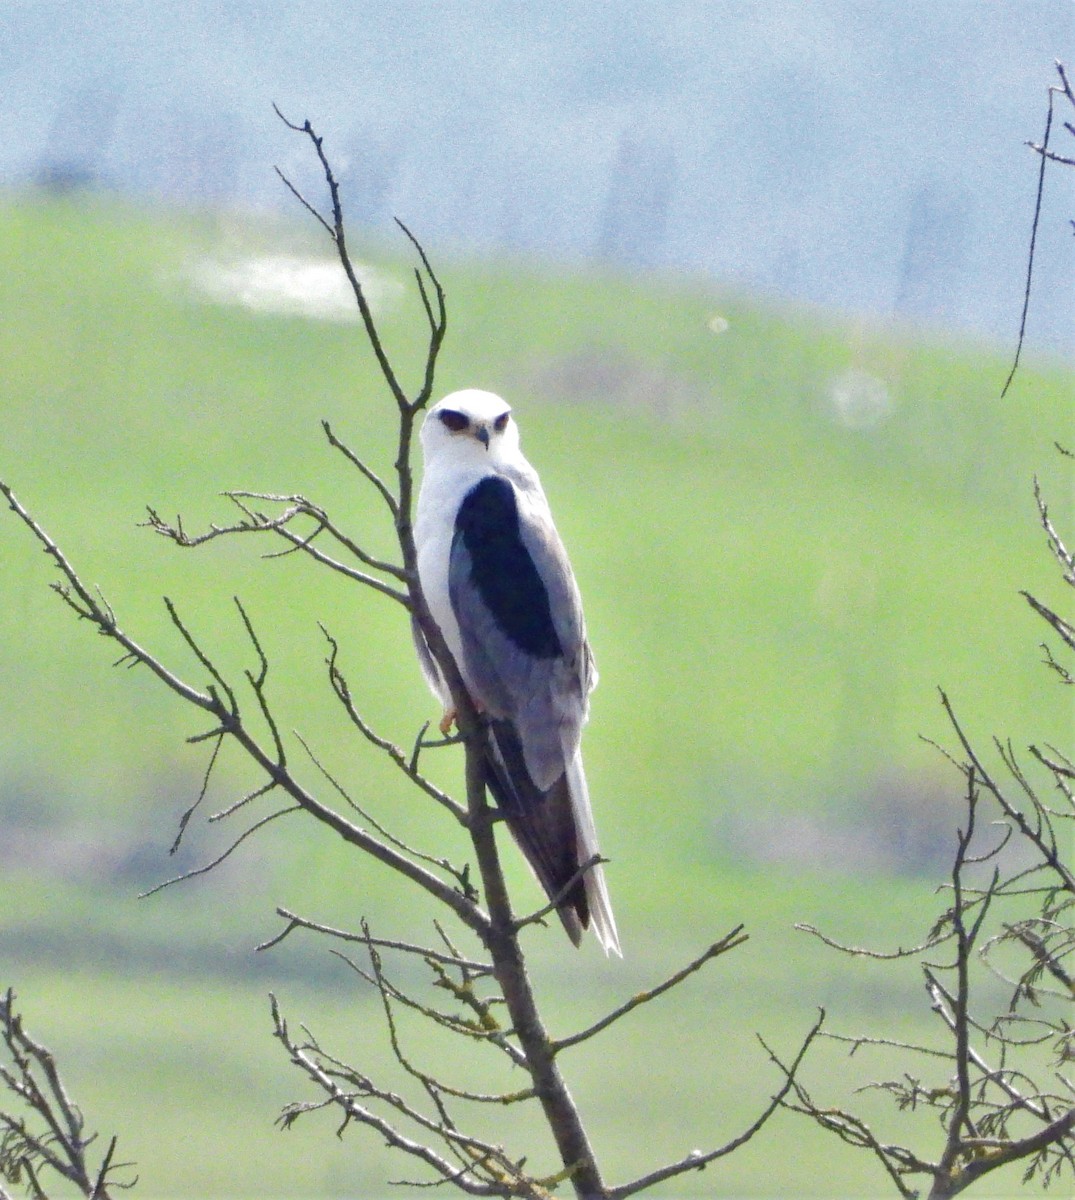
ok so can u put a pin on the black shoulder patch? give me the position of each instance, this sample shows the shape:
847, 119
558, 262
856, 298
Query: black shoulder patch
501, 567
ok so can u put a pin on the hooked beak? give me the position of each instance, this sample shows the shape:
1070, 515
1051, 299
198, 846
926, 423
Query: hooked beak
482, 434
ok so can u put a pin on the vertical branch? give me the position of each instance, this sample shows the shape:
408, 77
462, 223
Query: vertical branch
437, 317
1046, 156
501, 935
438, 326
960, 1124
337, 233
502, 940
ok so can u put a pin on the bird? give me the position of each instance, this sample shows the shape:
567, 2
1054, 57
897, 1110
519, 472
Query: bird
498, 584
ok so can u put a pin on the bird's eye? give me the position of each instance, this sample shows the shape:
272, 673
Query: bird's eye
455, 421
501, 423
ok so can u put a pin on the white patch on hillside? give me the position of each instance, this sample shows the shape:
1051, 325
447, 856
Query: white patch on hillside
859, 400
289, 285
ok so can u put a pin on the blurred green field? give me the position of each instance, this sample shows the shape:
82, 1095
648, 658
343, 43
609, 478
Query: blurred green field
789, 531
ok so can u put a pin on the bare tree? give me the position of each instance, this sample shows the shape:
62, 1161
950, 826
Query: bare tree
1002, 1090
47, 1133
998, 1078
1001, 1083
478, 964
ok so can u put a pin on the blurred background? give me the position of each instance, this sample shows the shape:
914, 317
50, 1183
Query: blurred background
751, 276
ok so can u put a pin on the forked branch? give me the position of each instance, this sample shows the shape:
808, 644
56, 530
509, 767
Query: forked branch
987, 1095
49, 1134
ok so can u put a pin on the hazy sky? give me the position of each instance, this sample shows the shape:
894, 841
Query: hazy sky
865, 155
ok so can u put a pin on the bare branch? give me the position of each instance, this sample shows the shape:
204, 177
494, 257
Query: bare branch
1002, 1152
89, 607
864, 952
438, 320
409, 767
355, 461
297, 506
461, 875
60, 1146
297, 922
1045, 844
194, 872
436, 1087
943, 1006
1033, 246
329, 1074
729, 942
300, 506
538, 917
697, 1160
230, 722
184, 820
854, 1131
295, 191
857, 1041
338, 235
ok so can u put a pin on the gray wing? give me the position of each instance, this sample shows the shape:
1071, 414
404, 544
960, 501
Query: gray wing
527, 664
520, 620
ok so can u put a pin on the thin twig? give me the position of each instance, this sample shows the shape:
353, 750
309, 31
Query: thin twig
355, 461
408, 766
297, 922
184, 820
1033, 245
194, 872
697, 1160
538, 917
729, 942
337, 233
460, 874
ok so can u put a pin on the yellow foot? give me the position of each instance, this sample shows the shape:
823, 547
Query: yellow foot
447, 721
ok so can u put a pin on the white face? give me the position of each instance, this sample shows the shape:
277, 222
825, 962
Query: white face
470, 423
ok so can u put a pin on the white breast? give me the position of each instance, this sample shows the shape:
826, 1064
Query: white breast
439, 498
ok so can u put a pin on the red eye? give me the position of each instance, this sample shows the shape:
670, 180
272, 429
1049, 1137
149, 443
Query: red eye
501, 423
455, 421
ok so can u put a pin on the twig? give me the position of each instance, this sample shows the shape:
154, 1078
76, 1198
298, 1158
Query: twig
194, 872
461, 875
435, 1086
408, 766
355, 461
306, 1058
729, 942
865, 952
697, 1160
538, 917
1033, 244
298, 506
336, 231
297, 922
189, 812
1047, 847
87, 606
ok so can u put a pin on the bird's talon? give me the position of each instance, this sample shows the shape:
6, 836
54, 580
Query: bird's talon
447, 721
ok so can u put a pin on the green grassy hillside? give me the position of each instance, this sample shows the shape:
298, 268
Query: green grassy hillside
788, 531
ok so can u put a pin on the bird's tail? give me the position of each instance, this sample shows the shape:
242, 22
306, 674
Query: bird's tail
543, 824
597, 897
555, 831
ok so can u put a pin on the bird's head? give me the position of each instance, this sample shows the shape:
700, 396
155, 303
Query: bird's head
470, 424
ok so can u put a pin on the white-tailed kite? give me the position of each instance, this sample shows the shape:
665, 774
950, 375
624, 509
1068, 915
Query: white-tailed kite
498, 584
